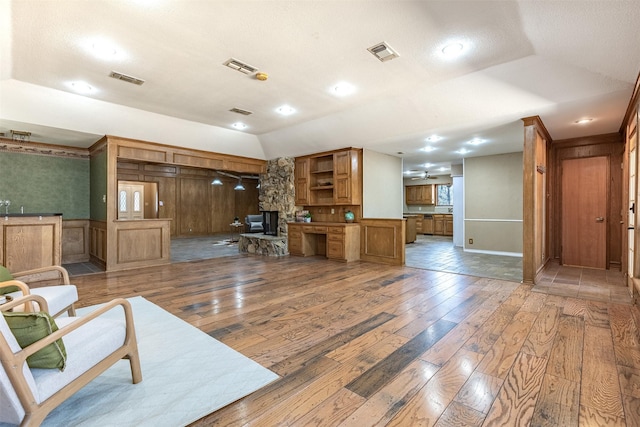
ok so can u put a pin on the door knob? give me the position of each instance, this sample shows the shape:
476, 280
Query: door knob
600, 219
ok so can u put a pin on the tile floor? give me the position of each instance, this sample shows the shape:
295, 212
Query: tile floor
439, 253
599, 285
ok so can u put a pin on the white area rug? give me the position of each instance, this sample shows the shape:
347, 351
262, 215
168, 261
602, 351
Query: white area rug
186, 374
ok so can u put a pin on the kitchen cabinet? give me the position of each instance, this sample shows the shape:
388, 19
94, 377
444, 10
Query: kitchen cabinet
419, 222
329, 179
443, 224
410, 229
419, 194
427, 225
448, 225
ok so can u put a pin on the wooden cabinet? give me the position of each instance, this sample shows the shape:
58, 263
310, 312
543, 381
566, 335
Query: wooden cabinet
301, 181
443, 225
448, 225
419, 194
410, 229
28, 242
295, 241
336, 241
419, 224
329, 179
427, 225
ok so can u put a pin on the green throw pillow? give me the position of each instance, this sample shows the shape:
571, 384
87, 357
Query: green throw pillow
31, 327
4, 276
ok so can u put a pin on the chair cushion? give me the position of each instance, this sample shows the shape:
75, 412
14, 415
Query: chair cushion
87, 346
31, 327
58, 297
5, 276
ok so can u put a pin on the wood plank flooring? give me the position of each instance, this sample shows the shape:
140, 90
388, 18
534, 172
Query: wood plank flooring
362, 344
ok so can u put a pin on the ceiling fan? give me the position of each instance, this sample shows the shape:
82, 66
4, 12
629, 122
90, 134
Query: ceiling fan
423, 175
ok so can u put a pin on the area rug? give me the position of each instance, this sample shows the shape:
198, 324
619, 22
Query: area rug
186, 374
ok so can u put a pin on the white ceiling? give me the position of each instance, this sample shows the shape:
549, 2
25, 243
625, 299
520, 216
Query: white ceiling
561, 60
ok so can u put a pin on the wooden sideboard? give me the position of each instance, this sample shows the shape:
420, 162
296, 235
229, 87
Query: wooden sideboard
338, 241
30, 241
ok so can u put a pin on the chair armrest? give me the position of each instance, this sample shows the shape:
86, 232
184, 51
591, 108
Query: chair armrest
24, 288
80, 321
61, 271
23, 300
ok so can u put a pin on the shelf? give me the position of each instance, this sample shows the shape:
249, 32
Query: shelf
322, 187
322, 171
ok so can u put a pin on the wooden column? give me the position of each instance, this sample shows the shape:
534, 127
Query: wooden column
534, 226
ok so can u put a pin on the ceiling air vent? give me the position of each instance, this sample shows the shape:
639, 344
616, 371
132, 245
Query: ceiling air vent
240, 66
126, 78
241, 111
383, 52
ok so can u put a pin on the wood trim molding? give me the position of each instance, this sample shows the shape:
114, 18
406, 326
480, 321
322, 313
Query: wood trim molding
542, 129
635, 98
37, 148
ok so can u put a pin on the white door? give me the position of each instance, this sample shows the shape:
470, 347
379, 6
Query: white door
130, 201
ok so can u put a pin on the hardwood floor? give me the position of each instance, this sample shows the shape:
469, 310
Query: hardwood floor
362, 344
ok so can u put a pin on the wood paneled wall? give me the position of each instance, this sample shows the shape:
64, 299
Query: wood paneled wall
383, 240
75, 240
611, 146
188, 198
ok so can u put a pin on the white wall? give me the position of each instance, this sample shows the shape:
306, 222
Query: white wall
493, 204
382, 185
28, 103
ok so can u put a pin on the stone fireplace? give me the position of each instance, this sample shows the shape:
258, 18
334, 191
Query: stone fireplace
277, 193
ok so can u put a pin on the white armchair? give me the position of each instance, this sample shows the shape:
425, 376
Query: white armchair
92, 343
60, 297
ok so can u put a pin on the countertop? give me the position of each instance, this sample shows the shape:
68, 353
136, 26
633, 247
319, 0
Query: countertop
327, 224
30, 214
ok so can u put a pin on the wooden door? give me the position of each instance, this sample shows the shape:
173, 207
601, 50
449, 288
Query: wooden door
584, 212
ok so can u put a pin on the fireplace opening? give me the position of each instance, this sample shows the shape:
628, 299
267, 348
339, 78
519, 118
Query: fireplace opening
270, 222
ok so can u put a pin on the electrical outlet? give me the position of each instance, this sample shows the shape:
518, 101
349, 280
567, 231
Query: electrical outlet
419, 208
333, 211
471, 241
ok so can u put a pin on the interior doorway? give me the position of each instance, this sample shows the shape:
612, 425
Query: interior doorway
584, 212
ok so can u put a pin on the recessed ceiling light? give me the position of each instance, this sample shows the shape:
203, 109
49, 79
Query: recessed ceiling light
476, 141
81, 87
442, 169
239, 125
427, 165
103, 49
583, 121
343, 89
428, 149
285, 110
453, 49
463, 151
433, 138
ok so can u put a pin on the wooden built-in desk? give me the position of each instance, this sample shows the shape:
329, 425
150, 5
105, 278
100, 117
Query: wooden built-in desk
335, 240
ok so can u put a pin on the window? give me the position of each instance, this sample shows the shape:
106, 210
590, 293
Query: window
444, 195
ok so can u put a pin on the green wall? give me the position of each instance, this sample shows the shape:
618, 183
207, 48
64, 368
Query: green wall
45, 184
98, 186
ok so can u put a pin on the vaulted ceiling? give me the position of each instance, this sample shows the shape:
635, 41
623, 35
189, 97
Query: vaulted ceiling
561, 60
